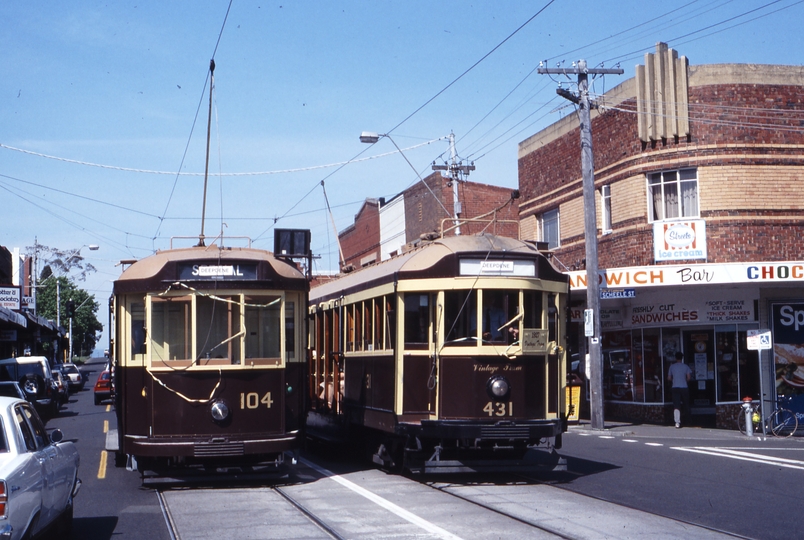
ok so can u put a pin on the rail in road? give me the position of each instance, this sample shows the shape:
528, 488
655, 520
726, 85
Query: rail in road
317, 503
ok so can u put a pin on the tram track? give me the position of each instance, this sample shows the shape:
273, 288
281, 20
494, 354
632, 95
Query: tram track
563, 533
310, 515
366, 506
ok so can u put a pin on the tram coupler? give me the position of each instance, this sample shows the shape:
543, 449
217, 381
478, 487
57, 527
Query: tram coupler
748, 410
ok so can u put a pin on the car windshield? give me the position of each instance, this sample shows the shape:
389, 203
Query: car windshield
72, 369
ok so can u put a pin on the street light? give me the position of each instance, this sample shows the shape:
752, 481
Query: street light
370, 137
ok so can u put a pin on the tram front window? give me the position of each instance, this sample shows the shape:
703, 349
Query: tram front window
170, 330
500, 309
218, 321
263, 326
460, 317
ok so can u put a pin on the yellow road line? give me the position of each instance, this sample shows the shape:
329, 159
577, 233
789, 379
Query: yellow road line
106, 426
102, 466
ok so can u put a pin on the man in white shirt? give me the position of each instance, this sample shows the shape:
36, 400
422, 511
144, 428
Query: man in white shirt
680, 375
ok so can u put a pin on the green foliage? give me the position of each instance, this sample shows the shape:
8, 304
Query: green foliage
55, 282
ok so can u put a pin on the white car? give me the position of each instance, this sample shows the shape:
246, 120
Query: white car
38, 474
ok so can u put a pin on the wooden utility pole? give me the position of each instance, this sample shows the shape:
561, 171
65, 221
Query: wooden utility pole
592, 331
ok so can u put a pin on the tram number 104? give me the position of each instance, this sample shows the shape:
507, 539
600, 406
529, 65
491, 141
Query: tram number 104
252, 400
499, 408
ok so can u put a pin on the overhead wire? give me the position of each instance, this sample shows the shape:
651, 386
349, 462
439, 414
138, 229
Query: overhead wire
195, 120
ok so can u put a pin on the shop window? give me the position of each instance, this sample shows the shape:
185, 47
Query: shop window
649, 378
736, 367
673, 195
618, 376
548, 222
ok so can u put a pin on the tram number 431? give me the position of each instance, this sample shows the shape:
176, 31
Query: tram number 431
252, 400
499, 408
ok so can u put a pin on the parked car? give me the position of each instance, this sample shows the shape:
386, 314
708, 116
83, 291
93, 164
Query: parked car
12, 389
38, 475
61, 386
35, 377
103, 386
72, 376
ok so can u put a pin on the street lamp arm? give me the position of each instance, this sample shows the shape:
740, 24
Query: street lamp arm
369, 137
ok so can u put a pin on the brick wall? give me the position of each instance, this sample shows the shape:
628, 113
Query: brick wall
361, 240
749, 178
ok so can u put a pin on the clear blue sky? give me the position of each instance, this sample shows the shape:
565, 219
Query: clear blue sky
123, 84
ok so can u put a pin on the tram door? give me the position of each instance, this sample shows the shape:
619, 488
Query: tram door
699, 354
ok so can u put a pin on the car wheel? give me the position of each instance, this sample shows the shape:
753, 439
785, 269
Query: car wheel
30, 384
97, 400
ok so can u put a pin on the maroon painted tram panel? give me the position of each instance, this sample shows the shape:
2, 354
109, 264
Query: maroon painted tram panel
161, 412
467, 397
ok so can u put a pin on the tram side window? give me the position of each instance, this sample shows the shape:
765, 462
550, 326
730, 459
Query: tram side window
390, 323
532, 307
290, 331
552, 318
350, 327
417, 320
218, 320
170, 331
460, 317
137, 312
378, 323
263, 330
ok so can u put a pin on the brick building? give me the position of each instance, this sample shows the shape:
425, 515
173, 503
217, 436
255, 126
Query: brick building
22, 332
698, 175
382, 229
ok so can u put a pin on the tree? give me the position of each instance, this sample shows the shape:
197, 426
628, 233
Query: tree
58, 263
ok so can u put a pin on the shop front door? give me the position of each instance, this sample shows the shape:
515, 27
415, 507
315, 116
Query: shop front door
699, 354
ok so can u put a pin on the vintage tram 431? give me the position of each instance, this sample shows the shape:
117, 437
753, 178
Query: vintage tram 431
449, 357
208, 358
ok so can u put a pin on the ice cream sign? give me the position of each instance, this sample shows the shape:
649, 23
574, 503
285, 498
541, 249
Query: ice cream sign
679, 240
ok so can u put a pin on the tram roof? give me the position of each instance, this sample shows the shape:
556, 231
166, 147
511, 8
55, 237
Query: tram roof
437, 258
160, 266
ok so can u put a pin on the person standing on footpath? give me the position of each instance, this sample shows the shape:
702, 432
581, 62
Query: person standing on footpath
679, 376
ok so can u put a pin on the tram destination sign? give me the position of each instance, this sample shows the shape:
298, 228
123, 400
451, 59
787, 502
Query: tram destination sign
218, 272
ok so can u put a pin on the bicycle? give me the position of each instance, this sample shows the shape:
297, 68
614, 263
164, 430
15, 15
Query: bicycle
781, 422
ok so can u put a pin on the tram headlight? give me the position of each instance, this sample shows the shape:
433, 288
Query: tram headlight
498, 387
219, 411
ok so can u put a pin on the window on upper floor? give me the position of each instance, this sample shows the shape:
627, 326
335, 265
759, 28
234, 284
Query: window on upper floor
673, 195
605, 199
548, 223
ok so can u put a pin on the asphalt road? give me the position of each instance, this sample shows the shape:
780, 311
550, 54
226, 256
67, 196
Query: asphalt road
111, 503
715, 479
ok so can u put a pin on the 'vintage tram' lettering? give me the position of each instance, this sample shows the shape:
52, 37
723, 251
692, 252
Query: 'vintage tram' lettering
486, 368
